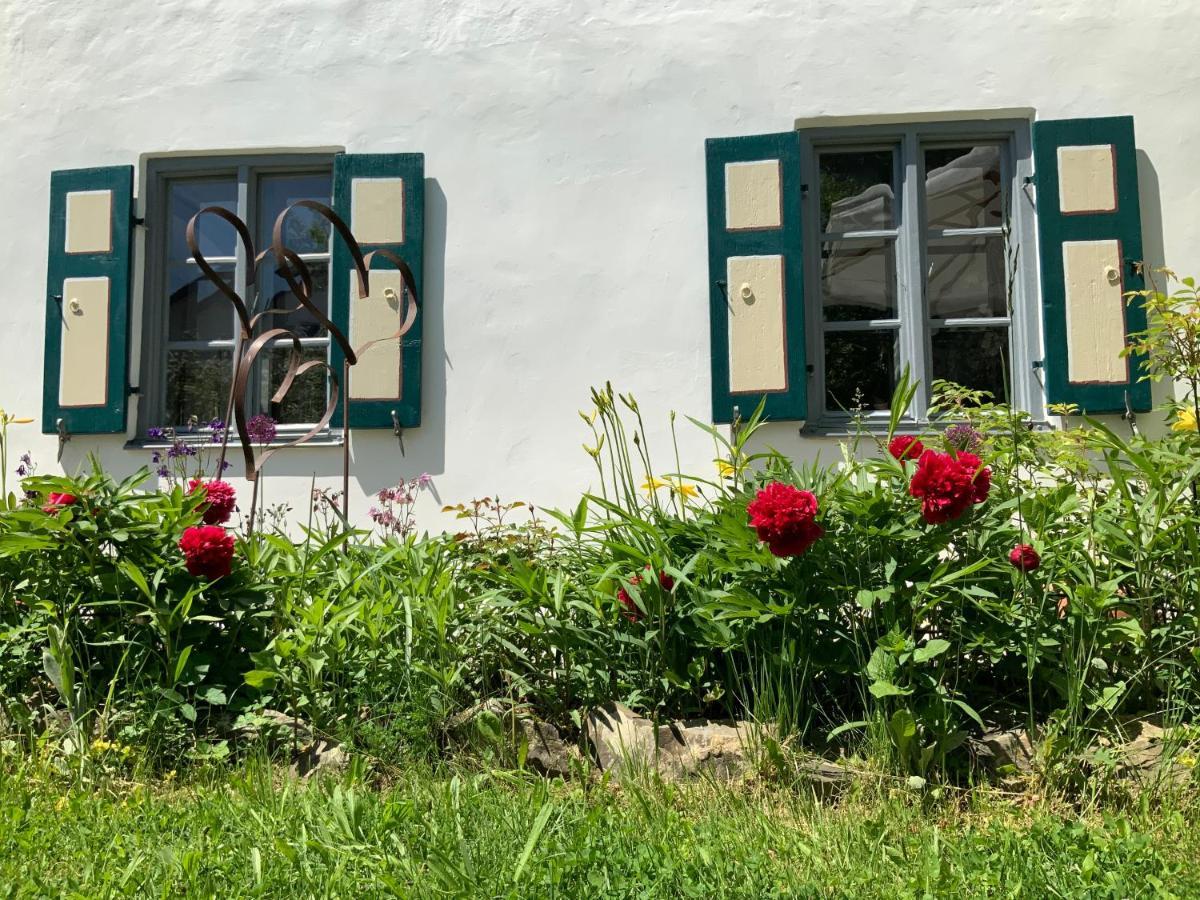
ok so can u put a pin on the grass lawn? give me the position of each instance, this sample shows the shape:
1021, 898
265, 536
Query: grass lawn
496, 834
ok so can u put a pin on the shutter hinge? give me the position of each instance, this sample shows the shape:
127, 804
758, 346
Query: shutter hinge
1038, 364
723, 285
138, 220
810, 368
133, 390
1029, 181
804, 190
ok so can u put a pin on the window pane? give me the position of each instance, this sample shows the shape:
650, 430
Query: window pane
967, 277
305, 231
976, 358
860, 370
305, 402
278, 295
963, 188
216, 236
857, 190
858, 280
197, 310
198, 384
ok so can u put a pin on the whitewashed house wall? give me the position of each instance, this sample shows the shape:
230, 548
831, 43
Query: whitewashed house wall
564, 150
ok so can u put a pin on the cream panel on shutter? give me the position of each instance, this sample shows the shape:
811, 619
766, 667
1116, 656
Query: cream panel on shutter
89, 222
1087, 179
1095, 311
377, 375
757, 333
377, 210
752, 195
83, 377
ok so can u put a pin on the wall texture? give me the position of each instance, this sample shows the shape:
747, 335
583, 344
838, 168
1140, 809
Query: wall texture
564, 138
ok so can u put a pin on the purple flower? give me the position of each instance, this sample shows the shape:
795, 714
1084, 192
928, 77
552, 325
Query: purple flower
261, 429
26, 459
226, 465
178, 449
156, 457
964, 438
22, 471
163, 472
154, 434
424, 480
216, 425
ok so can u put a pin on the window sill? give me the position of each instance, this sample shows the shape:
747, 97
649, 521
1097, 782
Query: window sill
333, 437
840, 428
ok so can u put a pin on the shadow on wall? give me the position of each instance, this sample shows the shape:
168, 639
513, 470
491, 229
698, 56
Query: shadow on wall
1153, 251
379, 458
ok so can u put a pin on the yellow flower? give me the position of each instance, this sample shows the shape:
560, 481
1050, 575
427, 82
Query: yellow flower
8, 419
1186, 759
1185, 420
61, 804
652, 484
684, 490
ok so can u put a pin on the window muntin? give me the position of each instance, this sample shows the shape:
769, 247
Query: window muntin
918, 272
191, 338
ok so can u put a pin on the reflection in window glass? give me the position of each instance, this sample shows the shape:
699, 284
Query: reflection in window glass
967, 277
278, 295
198, 384
215, 236
858, 280
197, 310
857, 192
305, 402
305, 231
860, 370
962, 187
977, 358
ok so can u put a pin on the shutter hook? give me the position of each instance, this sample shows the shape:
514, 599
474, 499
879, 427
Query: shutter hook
398, 430
64, 435
1129, 415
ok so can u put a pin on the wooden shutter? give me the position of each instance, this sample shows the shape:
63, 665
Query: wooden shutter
1090, 239
755, 272
382, 198
85, 382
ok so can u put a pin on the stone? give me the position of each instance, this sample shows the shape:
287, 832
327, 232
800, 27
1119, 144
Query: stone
546, 752
308, 754
1008, 751
323, 757
1142, 751
626, 742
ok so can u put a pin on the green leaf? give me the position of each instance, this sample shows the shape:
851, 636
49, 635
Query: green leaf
881, 689
260, 678
930, 649
969, 710
189, 712
214, 696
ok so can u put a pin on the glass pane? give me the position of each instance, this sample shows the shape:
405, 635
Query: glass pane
858, 280
857, 190
967, 277
305, 402
278, 295
305, 231
197, 310
216, 236
976, 358
198, 384
963, 188
860, 370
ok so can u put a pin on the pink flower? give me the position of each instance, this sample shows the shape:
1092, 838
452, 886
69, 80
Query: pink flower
55, 502
220, 499
1024, 557
208, 551
784, 518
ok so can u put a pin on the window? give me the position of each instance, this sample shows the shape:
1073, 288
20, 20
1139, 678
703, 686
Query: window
190, 329
912, 259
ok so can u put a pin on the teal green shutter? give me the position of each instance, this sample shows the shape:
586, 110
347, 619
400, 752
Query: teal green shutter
778, 239
109, 263
406, 409
1060, 226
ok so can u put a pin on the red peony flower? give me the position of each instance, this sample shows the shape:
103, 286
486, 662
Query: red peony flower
208, 550
905, 447
1024, 557
784, 518
948, 485
55, 502
220, 497
632, 612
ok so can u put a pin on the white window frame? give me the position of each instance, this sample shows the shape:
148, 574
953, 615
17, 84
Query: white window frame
246, 170
913, 344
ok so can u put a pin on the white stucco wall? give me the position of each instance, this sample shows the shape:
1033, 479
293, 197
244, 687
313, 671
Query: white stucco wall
564, 150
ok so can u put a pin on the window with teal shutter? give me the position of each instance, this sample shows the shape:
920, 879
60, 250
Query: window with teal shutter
86, 365
756, 281
381, 196
1090, 235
